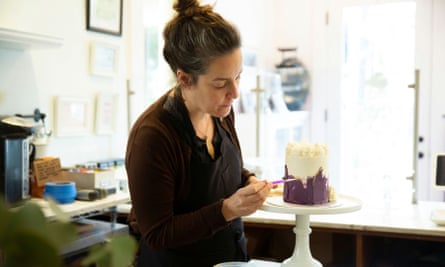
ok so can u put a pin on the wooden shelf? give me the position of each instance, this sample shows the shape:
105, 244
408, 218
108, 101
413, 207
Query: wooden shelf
13, 39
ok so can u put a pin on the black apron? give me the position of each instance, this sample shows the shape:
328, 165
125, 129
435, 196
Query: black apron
210, 182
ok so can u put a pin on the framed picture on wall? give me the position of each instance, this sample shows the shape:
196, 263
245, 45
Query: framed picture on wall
73, 116
103, 59
105, 16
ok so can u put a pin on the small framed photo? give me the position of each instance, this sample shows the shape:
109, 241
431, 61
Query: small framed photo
105, 16
103, 59
105, 108
73, 116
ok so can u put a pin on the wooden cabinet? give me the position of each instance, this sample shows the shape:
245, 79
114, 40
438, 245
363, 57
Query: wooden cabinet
347, 248
386, 236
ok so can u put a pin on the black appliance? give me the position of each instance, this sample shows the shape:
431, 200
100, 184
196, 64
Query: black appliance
15, 158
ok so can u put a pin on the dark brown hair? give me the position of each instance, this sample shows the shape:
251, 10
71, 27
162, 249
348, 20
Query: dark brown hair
195, 36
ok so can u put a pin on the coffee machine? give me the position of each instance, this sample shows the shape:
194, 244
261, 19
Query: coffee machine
15, 158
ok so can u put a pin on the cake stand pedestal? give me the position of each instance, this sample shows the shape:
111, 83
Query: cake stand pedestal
302, 256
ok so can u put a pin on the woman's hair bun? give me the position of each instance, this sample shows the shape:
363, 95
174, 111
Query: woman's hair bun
187, 7
190, 8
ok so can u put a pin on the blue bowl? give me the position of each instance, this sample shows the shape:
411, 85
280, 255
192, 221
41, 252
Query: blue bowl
62, 192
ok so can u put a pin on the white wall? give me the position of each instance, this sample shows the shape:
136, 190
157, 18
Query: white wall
40, 75
438, 79
32, 78
436, 139
267, 25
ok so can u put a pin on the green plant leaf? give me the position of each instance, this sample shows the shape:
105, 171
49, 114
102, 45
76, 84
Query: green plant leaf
119, 251
60, 215
123, 249
61, 233
98, 253
4, 221
31, 249
29, 239
29, 215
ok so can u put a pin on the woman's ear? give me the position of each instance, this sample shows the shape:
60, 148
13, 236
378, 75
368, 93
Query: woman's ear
183, 79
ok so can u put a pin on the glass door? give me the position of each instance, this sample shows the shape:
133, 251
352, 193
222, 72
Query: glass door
374, 57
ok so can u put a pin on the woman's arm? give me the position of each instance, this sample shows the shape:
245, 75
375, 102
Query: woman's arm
156, 173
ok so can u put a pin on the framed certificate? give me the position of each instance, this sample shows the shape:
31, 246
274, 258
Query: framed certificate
105, 16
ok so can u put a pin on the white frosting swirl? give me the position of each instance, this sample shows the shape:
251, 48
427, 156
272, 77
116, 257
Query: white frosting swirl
306, 150
304, 159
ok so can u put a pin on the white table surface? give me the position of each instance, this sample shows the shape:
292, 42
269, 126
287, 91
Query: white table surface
84, 207
261, 263
380, 217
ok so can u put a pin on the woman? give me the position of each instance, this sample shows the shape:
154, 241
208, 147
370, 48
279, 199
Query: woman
188, 186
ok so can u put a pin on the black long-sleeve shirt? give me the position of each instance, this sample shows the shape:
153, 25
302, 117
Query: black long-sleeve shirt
158, 168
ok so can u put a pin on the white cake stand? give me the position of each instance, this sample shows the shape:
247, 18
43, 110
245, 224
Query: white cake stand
302, 256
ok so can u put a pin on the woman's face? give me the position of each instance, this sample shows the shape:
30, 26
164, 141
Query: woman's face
215, 91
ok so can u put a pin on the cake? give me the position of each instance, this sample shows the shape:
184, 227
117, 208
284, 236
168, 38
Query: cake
306, 174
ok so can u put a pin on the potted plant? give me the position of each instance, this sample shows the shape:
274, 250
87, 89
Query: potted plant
28, 239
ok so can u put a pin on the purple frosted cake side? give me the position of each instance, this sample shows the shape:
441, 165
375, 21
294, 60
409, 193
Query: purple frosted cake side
312, 191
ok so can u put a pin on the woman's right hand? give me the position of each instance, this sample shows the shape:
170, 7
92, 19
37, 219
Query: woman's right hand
246, 200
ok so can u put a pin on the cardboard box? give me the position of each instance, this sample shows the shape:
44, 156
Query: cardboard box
44, 170
91, 178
